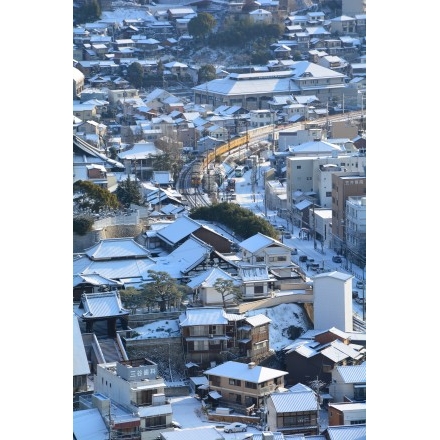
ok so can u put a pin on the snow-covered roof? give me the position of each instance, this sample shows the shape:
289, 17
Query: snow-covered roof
116, 248
97, 305
80, 362
242, 371
257, 242
203, 316
209, 277
294, 402
353, 373
88, 424
178, 230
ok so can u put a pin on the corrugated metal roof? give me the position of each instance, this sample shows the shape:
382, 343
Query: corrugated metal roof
347, 432
253, 273
257, 320
80, 362
353, 373
193, 433
294, 402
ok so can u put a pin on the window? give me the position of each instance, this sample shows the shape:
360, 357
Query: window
328, 194
235, 382
358, 422
201, 345
259, 259
360, 392
258, 289
298, 167
250, 385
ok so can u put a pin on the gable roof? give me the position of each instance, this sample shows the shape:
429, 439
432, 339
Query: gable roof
88, 424
95, 280
260, 241
181, 260
178, 230
241, 371
209, 277
294, 402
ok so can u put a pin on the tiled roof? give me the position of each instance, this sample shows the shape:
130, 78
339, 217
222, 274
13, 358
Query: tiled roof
116, 248
97, 305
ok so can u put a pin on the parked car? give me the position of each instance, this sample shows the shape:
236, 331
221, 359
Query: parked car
287, 235
175, 424
235, 427
294, 251
360, 285
302, 258
336, 259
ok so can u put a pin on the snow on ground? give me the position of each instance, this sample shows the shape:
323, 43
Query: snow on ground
283, 317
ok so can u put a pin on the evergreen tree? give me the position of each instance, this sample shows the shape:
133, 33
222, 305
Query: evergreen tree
89, 196
162, 289
135, 74
128, 192
228, 291
201, 25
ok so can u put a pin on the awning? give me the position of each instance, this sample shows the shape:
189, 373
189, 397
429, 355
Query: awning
215, 395
191, 364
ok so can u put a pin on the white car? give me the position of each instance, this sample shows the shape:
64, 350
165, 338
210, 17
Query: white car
235, 427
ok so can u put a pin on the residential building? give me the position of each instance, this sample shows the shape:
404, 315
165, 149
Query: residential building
244, 384
293, 412
136, 386
315, 354
210, 335
347, 413
346, 184
348, 383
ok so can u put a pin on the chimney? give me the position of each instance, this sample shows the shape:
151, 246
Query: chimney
251, 364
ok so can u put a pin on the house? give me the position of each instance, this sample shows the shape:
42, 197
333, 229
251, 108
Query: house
244, 384
348, 383
210, 335
347, 413
316, 354
204, 291
136, 386
89, 163
255, 281
261, 249
293, 412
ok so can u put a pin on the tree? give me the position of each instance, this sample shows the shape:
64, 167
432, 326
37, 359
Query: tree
128, 192
132, 298
206, 73
135, 74
82, 224
201, 25
162, 289
90, 10
228, 291
89, 196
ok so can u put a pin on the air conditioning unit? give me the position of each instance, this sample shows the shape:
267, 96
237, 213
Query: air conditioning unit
211, 335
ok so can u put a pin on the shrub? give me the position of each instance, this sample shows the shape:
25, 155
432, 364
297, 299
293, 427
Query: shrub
82, 225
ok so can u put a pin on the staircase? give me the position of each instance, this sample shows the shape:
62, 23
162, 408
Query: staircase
111, 350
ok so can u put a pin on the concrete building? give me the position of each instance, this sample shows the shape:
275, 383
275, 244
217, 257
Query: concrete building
332, 291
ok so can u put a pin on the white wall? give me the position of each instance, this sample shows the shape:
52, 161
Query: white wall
333, 305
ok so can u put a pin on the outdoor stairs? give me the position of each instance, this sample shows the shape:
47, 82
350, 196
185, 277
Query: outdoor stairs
111, 350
